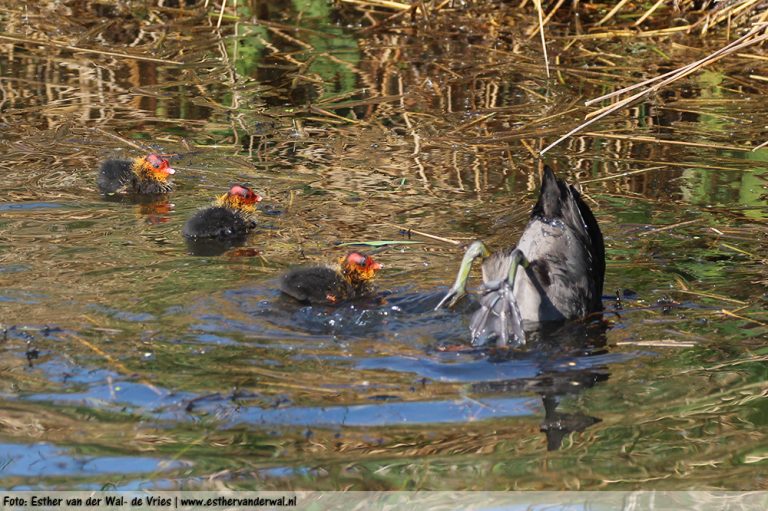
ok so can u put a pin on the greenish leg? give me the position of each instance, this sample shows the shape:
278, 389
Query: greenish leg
475, 250
518, 259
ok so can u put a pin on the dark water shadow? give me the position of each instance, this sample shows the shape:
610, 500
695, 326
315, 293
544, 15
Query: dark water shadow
570, 358
210, 247
558, 361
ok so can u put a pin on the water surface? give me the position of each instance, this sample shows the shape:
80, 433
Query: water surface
124, 349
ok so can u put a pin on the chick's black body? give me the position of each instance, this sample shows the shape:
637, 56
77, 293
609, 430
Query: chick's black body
318, 285
217, 222
326, 285
118, 176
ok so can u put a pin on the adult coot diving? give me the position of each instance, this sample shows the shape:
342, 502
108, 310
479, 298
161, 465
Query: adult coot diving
555, 273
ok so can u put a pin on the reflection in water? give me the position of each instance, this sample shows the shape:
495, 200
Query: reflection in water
558, 425
564, 356
213, 246
154, 208
46, 460
156, 212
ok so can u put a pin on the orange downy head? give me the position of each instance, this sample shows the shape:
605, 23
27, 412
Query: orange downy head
240, 197
359, 267
154, 166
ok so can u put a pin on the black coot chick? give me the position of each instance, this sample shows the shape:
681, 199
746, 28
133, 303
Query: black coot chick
555, 273
325, 285
145, 175
229, 217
